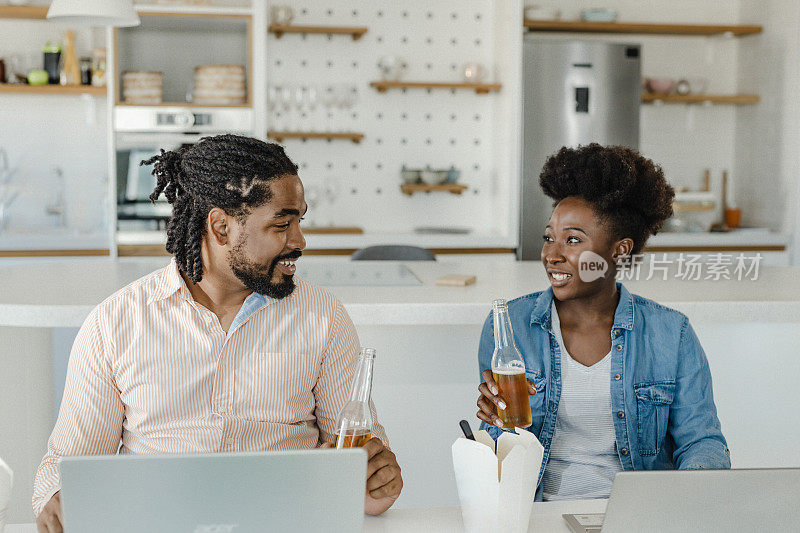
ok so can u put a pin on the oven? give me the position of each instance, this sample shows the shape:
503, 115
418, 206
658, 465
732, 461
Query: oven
140, 133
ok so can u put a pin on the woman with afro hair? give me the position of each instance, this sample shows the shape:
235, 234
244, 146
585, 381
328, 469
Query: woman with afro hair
616, 381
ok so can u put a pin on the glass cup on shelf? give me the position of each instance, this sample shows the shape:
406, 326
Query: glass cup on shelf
343, 99
329, 103
351, 101
313, 195
298, 104
273, 113
310, 102
332, 190
285, 100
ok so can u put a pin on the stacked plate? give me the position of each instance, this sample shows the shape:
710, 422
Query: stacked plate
220, 85
141, 87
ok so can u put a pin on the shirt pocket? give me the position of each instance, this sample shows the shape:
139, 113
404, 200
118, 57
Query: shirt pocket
652, 405
277, 387
538, 403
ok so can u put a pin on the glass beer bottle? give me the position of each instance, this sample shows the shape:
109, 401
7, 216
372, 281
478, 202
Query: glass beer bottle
508, 371
354, 426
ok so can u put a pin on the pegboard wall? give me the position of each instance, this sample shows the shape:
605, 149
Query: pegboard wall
414, 127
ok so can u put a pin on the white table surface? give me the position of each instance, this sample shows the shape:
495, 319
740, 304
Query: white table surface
545, 518
63, 294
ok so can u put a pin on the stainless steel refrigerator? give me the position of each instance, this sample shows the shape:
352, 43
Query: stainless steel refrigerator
574, 93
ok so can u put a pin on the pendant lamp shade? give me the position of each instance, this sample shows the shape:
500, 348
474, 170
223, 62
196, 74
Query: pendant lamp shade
119, 13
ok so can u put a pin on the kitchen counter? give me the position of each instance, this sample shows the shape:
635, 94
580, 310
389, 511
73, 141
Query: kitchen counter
55, 239
754, 237
757, 237
356, 241
72, 243
62, 294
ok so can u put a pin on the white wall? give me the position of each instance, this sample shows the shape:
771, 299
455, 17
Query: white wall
417, 127
40, 132
768, 135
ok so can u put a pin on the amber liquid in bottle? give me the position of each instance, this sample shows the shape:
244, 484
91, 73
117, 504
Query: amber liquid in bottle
353, 440
508, 371
354, 425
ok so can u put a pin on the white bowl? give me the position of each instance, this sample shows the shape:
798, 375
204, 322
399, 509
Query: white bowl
542, 13
600, 14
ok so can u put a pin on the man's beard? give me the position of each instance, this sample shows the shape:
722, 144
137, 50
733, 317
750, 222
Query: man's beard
251, 275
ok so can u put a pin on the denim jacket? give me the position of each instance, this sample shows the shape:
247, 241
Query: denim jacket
661, 398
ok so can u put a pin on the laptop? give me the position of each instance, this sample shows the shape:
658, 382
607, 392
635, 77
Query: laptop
698, 500
308, 490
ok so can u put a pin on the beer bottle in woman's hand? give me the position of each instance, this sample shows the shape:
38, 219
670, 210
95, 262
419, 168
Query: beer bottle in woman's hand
354, 426
508, 371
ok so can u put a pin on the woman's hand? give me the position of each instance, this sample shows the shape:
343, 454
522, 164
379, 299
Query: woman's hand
489, 401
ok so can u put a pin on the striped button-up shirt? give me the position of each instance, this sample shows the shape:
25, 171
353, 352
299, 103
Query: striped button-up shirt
153, 372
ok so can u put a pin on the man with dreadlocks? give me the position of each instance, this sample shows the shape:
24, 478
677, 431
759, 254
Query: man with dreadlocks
223, 349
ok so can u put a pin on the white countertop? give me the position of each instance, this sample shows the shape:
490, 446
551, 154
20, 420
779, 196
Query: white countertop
745, 237
59, 239
354, 241
62, 294
742, 237
56, 239
545, 517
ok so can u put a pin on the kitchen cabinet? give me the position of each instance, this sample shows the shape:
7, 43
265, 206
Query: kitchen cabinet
176, 42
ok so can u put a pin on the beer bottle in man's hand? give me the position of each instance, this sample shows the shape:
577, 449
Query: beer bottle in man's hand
354, 426
508, 371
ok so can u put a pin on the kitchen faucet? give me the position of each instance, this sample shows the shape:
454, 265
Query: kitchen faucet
57, 208
7, 194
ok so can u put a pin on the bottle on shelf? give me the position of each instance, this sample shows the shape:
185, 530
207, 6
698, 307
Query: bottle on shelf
354, 425
508, 371
99, 67
52, 61
70, 71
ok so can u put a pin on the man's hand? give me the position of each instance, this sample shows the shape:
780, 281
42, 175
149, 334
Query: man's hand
50, 519
384, 481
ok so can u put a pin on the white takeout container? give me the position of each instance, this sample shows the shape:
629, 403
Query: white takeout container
497, 490
6, 481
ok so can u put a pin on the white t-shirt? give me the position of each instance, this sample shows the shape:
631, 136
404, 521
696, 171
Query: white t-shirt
583, 455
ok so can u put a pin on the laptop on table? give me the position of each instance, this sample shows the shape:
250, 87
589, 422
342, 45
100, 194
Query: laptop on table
307, 490
698, 500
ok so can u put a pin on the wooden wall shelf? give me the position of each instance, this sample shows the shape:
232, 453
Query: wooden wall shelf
454, 188
693, 207
730, 99
640, 28
281, 135
23, 12
179, 10
480, 88
332, 230
355, 32
22, 88
182, 104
